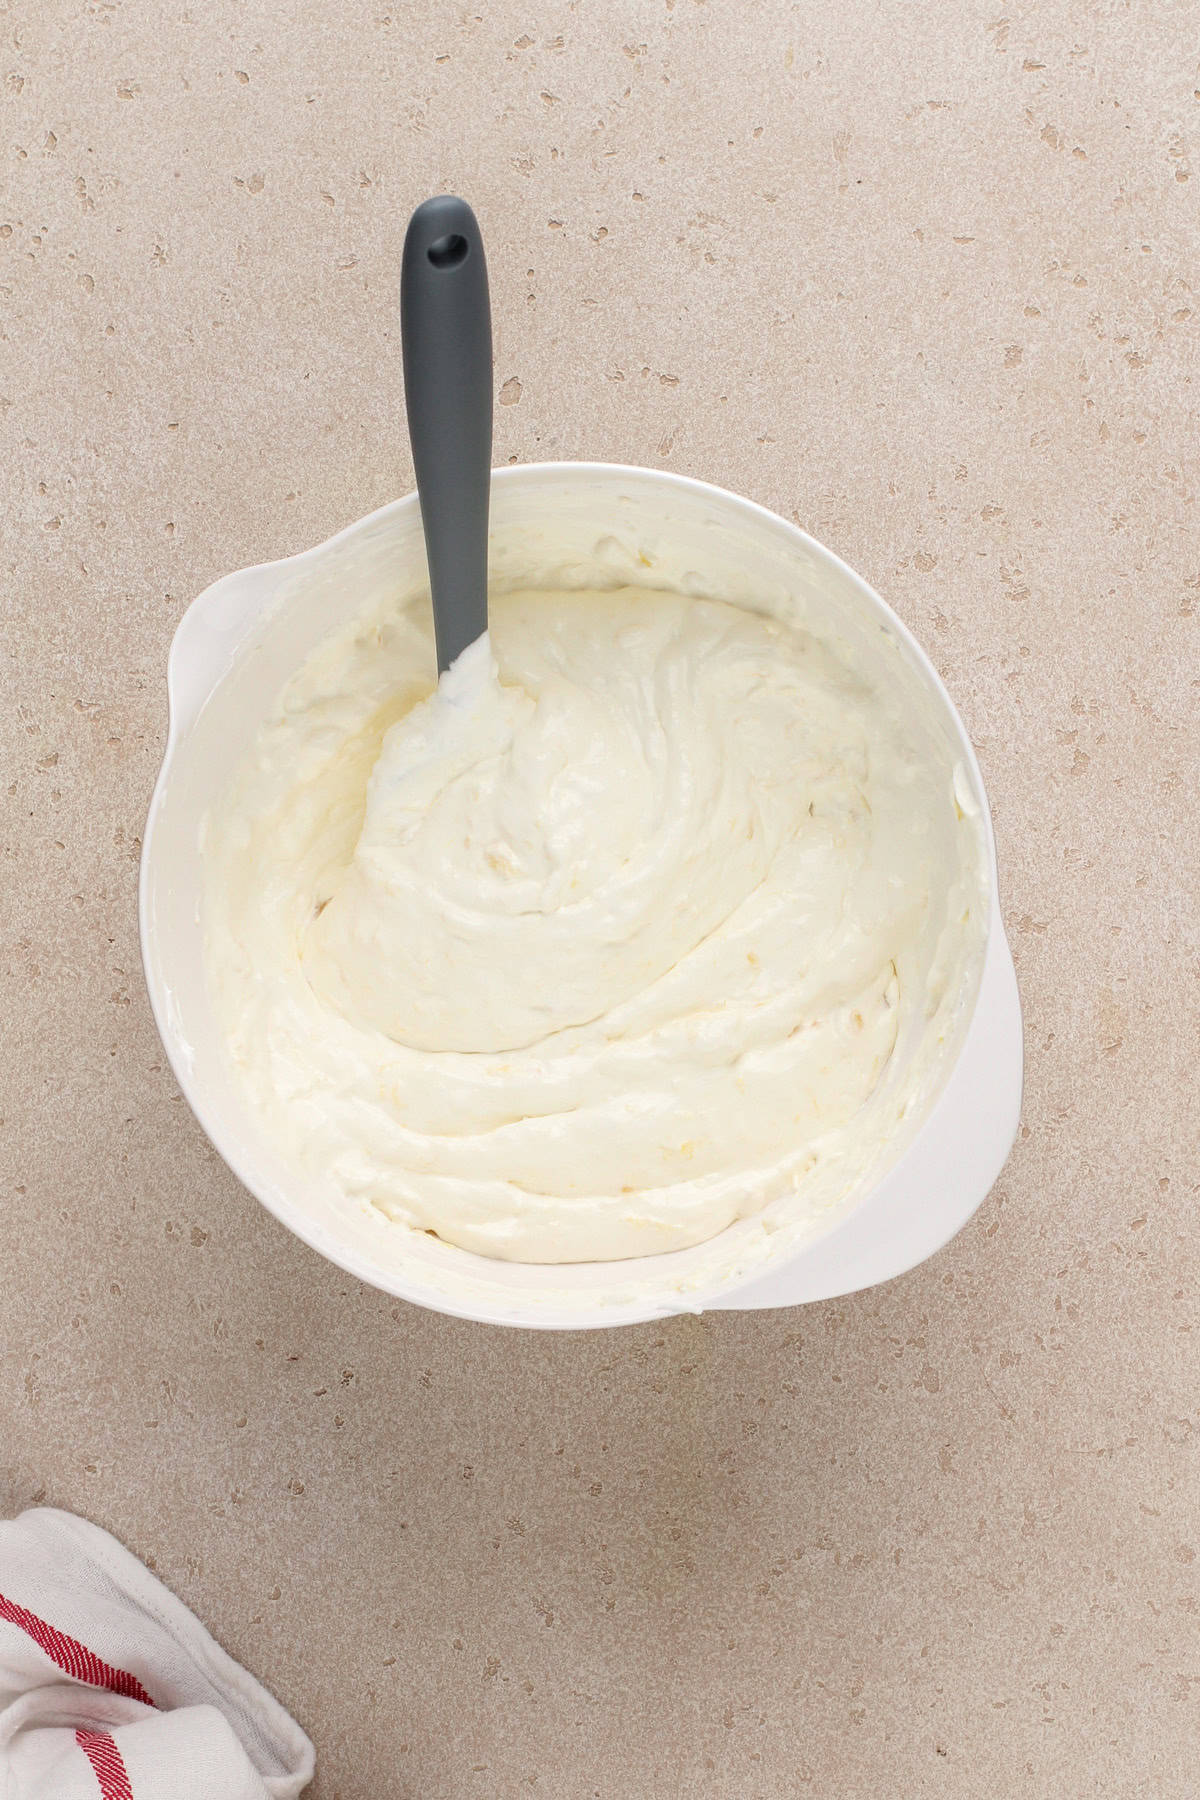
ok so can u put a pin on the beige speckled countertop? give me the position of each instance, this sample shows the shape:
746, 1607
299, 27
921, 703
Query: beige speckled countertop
923, 277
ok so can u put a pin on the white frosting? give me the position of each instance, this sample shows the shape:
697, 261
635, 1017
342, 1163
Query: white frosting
603, 944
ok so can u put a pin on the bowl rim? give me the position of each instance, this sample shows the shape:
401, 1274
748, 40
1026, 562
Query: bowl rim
722, 1293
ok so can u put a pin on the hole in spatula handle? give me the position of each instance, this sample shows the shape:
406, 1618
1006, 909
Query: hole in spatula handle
448, 252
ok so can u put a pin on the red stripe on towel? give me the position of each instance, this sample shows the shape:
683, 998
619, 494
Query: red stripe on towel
75, 1658
101, 1751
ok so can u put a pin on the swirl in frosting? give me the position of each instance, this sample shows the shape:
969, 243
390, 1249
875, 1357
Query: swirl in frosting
596, 947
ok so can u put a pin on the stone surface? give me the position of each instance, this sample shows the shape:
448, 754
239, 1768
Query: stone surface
923, 278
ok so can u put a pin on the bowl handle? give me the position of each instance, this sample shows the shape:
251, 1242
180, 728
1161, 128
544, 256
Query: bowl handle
943, 1177
207, 639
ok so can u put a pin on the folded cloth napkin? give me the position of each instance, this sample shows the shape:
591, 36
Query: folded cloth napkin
111, 1690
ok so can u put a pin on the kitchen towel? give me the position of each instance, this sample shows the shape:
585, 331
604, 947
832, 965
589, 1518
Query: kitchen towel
111, 1690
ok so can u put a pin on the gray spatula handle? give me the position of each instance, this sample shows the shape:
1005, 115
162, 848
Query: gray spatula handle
446, 330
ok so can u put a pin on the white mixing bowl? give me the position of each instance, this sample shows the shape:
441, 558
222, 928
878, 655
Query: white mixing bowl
237, 646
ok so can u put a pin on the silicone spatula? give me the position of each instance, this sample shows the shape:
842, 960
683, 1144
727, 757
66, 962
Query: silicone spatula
446, 332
